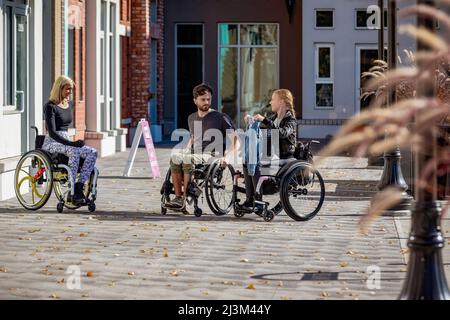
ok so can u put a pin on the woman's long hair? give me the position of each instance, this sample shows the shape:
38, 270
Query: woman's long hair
56, 95
287, 98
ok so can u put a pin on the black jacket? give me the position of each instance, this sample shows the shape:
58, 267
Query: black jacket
287, 133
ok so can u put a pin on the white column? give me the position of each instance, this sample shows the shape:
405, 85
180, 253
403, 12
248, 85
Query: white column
93, 68
36, 67
2, 72
106, 114
118, 82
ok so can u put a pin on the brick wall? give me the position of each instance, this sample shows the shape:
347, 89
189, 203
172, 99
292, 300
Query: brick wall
139, 55
160, 61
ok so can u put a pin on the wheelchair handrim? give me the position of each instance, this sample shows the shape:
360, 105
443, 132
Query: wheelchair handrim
43, 163
285, 193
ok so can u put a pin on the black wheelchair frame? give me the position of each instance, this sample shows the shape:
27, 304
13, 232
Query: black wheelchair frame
296, 177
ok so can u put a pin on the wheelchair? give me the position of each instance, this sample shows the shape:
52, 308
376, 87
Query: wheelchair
39, 172
300, 187
210, 180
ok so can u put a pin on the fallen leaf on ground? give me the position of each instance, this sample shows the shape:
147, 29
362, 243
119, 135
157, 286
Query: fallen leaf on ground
34, 230
251, 286
131, 273
344, 264
324, 294
89, 274
244, 260
83, 234
54, 296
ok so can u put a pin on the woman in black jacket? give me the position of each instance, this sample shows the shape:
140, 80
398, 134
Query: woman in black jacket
284, 121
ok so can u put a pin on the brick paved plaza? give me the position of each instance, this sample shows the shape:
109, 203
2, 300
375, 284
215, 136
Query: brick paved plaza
127, 250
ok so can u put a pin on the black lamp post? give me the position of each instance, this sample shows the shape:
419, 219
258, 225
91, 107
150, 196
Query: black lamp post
425, 278
290, 4
392, 171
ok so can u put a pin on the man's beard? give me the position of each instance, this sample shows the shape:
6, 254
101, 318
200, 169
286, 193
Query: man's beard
205, 108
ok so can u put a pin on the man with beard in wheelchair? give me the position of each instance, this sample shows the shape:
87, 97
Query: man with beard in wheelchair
205, 119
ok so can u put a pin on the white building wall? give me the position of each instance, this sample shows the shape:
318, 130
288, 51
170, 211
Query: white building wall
346, 38
14, 125
106, 142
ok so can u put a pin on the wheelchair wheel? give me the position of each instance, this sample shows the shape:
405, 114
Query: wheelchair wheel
33, 180
219, 189
302, 192
61, 188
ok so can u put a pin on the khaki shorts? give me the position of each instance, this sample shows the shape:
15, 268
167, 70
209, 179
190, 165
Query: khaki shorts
184, 161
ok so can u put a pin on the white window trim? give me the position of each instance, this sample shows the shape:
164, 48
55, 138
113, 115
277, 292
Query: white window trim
22, 10
239, 47
317, 79
315, 18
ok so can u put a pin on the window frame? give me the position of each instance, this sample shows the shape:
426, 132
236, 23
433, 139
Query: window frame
355, 18
17, 9
316, 10
320, 80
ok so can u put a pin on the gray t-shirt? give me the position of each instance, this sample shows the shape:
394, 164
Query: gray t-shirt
213, 120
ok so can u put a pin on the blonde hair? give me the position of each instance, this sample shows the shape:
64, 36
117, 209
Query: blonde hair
288, 99
56, 95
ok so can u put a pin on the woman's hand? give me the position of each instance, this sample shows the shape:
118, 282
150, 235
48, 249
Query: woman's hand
79, 143
258, 117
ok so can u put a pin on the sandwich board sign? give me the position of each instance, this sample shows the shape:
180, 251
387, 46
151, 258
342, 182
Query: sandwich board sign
143, 129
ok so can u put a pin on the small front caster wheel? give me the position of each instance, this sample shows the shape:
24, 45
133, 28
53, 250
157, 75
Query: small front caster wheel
268, 215
198, 212
239, 214
60, 207
163, 211
91, 207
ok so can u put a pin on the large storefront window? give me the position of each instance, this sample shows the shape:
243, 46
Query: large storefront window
248, 68
15, 55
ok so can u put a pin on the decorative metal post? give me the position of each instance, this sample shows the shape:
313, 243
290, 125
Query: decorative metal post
290, 5
425, 278
392, 171
381, 31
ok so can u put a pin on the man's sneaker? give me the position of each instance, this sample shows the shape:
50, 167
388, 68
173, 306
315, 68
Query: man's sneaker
178, 202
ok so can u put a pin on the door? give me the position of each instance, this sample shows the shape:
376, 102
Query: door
189, 69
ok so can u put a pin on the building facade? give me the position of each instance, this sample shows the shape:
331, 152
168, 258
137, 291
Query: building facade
339, 45
21, 90
243, 49
93, 42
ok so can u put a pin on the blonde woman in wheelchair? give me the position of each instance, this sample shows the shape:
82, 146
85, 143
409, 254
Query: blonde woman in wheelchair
58, 117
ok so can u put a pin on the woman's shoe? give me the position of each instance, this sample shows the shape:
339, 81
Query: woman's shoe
78, 197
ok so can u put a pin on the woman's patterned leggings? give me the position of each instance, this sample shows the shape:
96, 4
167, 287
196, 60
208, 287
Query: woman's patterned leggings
74, 154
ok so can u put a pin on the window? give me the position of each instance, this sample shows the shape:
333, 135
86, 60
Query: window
15, 39
324, 75
324, 18
248, 68
108, 62
362, 17
189, 68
